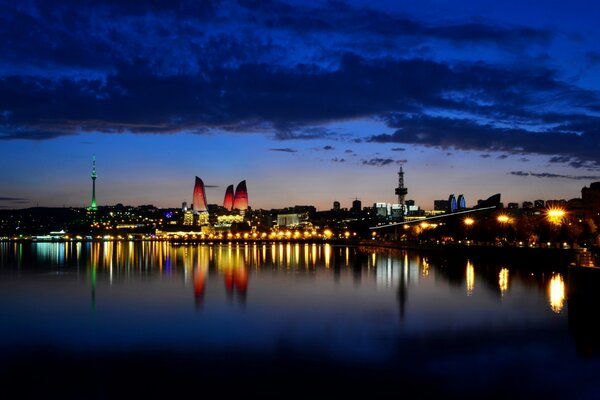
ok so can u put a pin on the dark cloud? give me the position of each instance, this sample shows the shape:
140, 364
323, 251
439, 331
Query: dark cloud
335, 159
502, 157
380, 162
398, 149
348, 151
593, 57
484, 155
579, 140
212, 186
557, 176
328, 147
14, 199
160, 67
285, 150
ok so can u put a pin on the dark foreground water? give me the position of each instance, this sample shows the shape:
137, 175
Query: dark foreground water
107, 320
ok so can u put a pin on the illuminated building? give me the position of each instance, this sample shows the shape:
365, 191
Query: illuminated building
228, 202
203, 218
199, 204
240, 199
462, 203
93, 206
227, 220
452, 203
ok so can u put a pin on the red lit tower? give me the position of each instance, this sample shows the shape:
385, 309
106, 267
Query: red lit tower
199, 197
228, 202
240, 200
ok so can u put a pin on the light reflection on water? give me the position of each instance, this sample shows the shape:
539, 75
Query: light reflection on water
345, 302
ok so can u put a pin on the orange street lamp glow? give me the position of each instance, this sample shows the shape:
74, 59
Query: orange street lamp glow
555, 215
503, 219
469, 221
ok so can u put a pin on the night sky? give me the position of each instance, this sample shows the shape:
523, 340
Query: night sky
310, 102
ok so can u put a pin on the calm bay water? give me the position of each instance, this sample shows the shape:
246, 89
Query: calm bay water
437, 325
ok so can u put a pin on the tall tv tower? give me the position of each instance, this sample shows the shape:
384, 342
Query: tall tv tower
401, 191
93, 206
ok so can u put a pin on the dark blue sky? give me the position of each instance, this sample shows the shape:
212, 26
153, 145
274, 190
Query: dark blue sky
309, 101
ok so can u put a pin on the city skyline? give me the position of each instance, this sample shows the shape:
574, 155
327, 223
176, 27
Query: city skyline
309, 102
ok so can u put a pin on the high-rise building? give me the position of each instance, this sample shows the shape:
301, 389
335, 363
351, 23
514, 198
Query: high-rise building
336, 206
93, 206
591, 197
461, 202
527, 204
441, 205
452, 203
199, 204
356, 205
184, 206
240, 199
538, 203
228, 201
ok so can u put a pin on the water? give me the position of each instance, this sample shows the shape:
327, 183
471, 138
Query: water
345, 318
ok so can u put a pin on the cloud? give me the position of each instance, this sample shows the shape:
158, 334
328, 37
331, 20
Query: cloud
380, 162
285, 150
348, 151
484, 155
328, 147
593, 57
554, 176
502, 157
287, 71
398, 149
335, 159
576, 140
13, 199
212, 186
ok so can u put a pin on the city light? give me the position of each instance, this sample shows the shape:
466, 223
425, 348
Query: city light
469, 221
503, 219
556, 215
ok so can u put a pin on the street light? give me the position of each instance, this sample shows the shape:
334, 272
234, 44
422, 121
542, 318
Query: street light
503, 219
556, 215
469, 221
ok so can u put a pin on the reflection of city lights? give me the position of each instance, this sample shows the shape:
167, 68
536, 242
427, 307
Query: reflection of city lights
425, 271
327, 255
555, 215
470, 278
557, 293
503, 280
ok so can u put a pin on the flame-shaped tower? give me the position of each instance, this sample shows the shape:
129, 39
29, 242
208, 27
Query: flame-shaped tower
240, 200
199, 197
228, 202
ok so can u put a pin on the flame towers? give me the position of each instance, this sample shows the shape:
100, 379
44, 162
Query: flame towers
228, 201
234, 200
240, 200
199, 199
